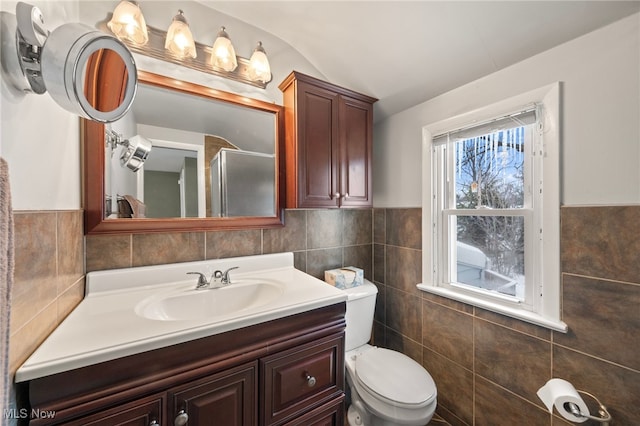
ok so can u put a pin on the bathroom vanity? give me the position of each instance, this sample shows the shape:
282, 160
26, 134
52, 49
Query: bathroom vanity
150, 353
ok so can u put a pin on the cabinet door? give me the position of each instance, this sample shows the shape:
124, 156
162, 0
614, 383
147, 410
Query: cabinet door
356, 142
317, 147
300, 379
143, 412
224, 399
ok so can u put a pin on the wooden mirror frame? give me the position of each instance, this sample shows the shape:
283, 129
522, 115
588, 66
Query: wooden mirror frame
94, 196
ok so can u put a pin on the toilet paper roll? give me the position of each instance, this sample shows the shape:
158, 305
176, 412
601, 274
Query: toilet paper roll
557, 392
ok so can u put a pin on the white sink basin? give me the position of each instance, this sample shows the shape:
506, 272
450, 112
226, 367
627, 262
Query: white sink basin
191, 304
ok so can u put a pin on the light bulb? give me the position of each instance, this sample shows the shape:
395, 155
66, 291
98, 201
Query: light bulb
179, 39
259, 69
128, 23
223, 54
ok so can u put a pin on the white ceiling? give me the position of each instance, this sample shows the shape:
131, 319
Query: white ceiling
406, 52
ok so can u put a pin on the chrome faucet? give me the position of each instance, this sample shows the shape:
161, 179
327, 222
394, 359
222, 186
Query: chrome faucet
218, 279
225, 279
203, 283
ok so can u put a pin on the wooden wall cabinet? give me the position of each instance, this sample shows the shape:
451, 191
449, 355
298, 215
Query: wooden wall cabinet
328, 144
289, 371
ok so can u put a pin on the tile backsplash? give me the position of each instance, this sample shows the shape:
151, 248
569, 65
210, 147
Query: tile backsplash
319, 239
48, 277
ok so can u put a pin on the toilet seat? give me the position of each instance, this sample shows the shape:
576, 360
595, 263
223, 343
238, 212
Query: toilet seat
394, 378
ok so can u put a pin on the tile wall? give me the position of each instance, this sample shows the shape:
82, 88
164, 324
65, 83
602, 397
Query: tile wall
48, 277
320, 240
488, 367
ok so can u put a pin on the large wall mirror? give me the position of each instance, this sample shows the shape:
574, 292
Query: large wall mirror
215, 162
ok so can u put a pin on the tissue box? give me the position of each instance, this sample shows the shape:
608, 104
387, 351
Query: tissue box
343, 278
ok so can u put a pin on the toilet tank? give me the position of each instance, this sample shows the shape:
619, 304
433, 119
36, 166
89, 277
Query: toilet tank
361, 303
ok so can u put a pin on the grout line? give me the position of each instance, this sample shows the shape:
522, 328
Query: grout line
57, 253
36, 315
596, 358
533, 403
511, 328
473, 366
204, 236
601, 279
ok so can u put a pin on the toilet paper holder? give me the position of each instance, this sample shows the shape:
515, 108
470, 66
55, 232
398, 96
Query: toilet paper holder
604, 418
569, 402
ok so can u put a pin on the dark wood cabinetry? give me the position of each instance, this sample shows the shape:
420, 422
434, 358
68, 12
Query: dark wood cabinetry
328, 144
289, 371
143, 412
300, 377
229, 396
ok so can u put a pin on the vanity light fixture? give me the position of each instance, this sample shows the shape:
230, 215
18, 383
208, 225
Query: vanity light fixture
135, 150
260, 69
179, 40
35, 60
224, 55
178, 46
128, 22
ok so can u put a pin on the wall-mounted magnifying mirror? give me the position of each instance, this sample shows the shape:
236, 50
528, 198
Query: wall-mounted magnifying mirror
215, 162
35, 60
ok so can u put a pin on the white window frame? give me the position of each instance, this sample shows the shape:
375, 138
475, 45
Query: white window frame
543, 305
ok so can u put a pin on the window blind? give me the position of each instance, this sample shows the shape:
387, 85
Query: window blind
522, 118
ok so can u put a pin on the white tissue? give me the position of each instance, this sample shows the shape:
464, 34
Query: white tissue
557, 392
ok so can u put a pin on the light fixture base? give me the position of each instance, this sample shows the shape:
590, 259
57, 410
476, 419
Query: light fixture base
23, 36
154, 48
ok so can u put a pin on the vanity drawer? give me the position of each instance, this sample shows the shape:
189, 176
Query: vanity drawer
141, 412
330, 414
301, 378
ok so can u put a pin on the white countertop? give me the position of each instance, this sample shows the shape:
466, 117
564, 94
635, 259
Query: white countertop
105, 325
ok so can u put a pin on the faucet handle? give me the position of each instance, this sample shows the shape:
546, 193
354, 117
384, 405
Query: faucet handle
225, 275
202, 279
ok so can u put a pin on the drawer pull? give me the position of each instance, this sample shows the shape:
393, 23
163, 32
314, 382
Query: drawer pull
181, 419
311, 381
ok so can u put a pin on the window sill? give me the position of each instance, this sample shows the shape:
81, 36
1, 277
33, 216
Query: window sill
521, 314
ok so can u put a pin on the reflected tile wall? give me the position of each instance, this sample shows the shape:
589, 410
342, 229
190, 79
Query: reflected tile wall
487, 366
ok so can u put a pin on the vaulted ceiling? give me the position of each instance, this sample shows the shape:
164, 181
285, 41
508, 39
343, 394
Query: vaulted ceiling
406, 52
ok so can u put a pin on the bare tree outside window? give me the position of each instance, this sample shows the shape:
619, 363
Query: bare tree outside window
489, 175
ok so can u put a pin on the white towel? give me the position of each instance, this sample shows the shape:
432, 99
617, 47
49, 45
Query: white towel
6, 281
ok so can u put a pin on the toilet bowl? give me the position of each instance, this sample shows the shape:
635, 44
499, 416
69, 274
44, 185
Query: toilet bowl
387, 387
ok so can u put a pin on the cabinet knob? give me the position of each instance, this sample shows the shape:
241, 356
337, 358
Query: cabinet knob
337, 195
346, 195
311, 381
154, 422
181, 419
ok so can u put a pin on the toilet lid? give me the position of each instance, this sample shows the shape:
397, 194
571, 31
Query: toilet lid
395, 377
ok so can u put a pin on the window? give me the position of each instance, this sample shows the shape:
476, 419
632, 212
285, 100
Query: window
491, 203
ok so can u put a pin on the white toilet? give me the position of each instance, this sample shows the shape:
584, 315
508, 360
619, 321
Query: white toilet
387, 387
